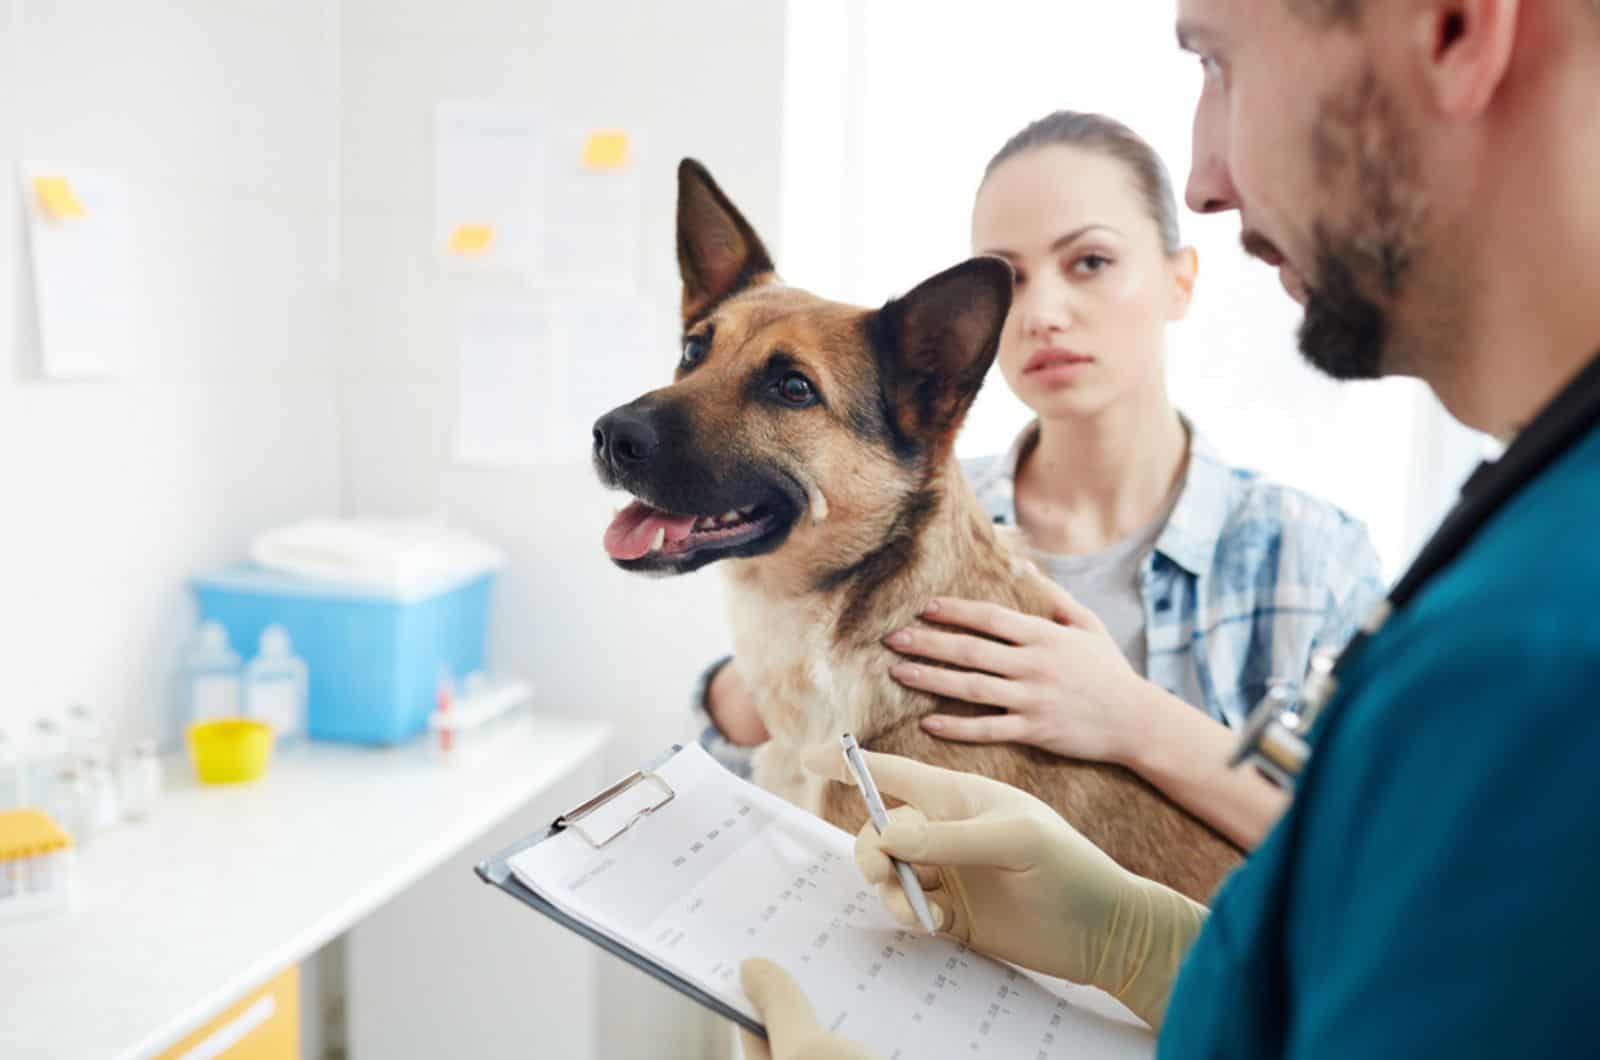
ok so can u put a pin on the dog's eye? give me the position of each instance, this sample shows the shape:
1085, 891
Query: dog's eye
694, 350
796, 389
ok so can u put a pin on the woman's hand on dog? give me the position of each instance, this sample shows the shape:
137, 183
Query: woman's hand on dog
1063, 682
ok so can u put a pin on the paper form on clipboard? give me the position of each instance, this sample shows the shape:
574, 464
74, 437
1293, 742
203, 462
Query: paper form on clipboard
691, 870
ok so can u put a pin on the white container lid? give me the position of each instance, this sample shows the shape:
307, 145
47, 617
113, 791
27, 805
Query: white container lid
394, 559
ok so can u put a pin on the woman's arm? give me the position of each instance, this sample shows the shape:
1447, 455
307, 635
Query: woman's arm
1067, 688
729, 726
1185, 752
733, 709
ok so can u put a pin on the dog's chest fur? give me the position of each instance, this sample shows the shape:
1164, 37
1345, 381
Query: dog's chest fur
807, 690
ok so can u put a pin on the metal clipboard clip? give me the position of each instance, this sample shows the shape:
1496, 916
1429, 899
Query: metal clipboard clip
572, 817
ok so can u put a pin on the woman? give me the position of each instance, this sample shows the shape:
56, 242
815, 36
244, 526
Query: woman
1209, 582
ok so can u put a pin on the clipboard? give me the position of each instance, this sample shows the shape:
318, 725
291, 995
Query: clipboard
496, 871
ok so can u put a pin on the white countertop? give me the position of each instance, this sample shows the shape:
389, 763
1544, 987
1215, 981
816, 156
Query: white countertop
222, 887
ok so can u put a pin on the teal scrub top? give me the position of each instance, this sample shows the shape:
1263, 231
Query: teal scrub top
1434, 890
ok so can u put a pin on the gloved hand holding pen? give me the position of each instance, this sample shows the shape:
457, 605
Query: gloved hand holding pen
1007, 876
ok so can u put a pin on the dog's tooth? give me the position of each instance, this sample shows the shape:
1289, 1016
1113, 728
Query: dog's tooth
819, 505
730, 517
659, 540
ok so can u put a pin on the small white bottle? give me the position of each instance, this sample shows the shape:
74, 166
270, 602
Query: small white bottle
86, 751
210, 680
140, 780
84, 738
13, 790
275, 687
76, 802
103, 812
47, 756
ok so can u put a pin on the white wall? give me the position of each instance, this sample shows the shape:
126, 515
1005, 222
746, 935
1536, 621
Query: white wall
111, 494
896, 106
699, 77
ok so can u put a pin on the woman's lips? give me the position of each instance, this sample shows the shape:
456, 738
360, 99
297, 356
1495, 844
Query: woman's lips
1053, 358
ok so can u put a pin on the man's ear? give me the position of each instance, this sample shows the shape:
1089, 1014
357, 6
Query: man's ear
935, 346
719, 253
1465, 49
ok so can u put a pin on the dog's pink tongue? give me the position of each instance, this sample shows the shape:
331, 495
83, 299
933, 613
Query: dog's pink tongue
630, 534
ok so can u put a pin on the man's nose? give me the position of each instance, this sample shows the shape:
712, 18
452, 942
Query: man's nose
1210, 188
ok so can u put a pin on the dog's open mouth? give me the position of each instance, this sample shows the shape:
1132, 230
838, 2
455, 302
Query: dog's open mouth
642, 531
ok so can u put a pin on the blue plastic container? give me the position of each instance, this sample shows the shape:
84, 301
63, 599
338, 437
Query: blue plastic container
374, 660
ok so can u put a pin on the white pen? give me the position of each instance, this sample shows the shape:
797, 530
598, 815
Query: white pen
880, 820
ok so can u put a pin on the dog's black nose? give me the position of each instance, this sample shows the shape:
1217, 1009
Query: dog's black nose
624, 438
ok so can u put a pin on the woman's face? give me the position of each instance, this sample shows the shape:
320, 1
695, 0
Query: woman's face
1094, 286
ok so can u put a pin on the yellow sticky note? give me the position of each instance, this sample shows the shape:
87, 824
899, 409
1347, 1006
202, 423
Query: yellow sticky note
471, 239
606, 149
57, 198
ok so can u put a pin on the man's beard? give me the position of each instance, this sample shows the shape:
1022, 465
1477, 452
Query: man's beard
1361, 151
1344, 332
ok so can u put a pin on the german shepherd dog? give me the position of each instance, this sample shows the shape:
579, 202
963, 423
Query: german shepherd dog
807, 445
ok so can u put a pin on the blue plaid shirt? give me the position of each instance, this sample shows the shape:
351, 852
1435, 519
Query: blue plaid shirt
1245, 581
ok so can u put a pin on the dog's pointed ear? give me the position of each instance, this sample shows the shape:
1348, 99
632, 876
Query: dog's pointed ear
935, 346
719, 253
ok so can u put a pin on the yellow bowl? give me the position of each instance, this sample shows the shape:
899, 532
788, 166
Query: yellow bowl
229, 750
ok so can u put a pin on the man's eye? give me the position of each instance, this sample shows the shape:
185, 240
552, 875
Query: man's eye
694, 350
796, 389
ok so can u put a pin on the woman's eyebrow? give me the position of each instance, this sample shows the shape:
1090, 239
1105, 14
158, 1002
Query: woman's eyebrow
1077, 234
1064, 241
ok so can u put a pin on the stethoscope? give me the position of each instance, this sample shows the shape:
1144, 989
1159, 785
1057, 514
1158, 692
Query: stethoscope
1276, 736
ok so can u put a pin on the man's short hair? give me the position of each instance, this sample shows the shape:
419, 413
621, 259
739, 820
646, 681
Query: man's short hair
1332, 12
1348, 12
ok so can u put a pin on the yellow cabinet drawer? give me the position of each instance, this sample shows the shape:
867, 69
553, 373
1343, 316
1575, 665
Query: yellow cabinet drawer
263, 1025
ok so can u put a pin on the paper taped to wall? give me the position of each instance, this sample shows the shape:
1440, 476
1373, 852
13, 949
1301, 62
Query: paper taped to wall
80, 229
552, 200
486, 183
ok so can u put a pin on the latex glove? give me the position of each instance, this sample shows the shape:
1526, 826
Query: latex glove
1007, 876
1063, 681
793, 1032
